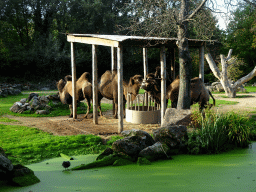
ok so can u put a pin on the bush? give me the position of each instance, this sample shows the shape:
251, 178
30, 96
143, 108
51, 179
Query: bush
218, 132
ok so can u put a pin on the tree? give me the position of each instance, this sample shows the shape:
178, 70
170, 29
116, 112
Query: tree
170, 18
230, 89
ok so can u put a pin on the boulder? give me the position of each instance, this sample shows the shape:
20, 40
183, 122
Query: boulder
175, 116
42, 112
31, 96
174, 136
155, 152
5, 168
135, 132
23, 176
131, 145
23, 101
105, 153
15, 107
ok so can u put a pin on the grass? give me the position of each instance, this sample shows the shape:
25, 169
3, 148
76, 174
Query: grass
238, 96
219, 132
27, 145
57, 110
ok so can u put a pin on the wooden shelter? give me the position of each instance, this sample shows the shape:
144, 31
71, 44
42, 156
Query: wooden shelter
118, 42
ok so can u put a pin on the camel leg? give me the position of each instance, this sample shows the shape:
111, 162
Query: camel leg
71, 111
116, 109
88, 106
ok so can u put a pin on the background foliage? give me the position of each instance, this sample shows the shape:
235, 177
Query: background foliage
33, 43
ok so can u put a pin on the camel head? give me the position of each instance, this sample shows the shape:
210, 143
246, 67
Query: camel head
136, 79
150, 83
60, 85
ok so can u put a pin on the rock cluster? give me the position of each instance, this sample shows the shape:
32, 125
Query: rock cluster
15, 89
15, 174
138, 146
216, 86
35, 103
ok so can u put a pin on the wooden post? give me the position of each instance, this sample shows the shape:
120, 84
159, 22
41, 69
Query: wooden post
163, 83
172, 57
95, 84
120, 87
113, 66
145, 65
201, 63
73, 81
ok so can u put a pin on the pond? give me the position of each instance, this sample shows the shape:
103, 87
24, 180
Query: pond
231, 171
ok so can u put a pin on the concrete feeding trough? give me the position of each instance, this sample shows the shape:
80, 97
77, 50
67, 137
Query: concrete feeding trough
143, 110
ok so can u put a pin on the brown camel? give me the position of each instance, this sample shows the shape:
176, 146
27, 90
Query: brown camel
198, 93
83, 91
108, 88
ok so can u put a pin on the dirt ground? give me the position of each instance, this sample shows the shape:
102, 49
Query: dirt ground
108, 126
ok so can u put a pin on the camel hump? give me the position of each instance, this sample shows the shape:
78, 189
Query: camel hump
68, 78
86, 75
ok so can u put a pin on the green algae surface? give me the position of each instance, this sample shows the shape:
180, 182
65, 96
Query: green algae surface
232, 171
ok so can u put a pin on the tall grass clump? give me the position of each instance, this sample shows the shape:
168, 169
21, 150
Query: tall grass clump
218, 132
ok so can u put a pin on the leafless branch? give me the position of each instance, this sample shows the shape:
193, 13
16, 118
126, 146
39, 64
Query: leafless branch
196, 10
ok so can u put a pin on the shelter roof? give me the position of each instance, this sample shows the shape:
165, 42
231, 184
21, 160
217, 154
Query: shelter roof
131, 41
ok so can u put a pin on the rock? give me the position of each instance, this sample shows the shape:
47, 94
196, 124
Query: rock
175, 116
143, 161
23, 176
105, 153
155, 152
23, 101
42, 112
135, 132
43, 100
34, 102
31, 96
5, 167
45, 89
131, 145
121, 162
15, 108
174, 136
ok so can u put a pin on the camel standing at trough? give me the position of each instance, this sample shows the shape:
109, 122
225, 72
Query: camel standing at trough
198, 92
83, 92
108, 88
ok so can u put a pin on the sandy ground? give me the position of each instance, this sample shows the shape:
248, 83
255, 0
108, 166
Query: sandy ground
107, 125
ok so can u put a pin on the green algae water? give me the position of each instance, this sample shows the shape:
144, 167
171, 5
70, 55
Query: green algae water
231, 171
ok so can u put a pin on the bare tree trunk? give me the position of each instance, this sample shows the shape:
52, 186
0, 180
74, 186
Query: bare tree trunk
230, 89
184, 58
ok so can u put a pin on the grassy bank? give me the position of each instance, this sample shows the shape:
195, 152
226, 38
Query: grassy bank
29, 145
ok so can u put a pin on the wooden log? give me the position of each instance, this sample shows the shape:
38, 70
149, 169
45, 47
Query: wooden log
145, 65
163, 82
113, 67
74, 98
95, 84
128, 100
172, 58
120, 87
201, 63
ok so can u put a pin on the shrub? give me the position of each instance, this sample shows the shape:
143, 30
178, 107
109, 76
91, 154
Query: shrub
218, 132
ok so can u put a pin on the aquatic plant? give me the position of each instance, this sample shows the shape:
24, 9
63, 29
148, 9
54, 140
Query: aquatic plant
218, 132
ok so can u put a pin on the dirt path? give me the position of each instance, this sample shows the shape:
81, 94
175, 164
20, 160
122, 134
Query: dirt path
107, 125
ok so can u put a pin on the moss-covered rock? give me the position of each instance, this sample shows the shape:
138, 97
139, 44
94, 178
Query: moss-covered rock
23, 176
120, 162
105, 153
143, 161
106, 161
